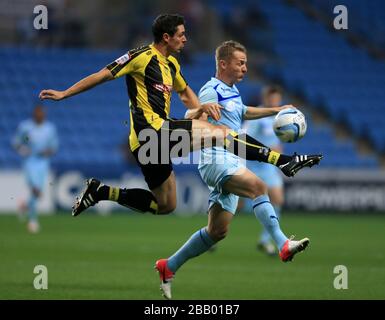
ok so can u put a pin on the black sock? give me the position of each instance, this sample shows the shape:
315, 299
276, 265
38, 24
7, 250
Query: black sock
248, 148
137, 199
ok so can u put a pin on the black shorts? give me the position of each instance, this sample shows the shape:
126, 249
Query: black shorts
155, 156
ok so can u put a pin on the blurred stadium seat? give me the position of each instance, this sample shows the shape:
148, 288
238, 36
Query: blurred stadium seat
81, 119
343, 80
366, 17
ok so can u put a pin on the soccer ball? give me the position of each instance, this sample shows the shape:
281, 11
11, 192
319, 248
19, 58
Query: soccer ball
290, 125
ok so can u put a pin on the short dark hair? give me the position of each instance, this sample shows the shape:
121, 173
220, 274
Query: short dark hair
166, 23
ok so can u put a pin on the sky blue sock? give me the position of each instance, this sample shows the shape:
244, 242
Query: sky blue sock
265, 235
264, 211
198, 243
32, 216
277, 210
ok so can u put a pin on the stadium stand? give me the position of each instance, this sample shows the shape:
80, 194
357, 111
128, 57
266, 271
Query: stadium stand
301, 42
105, 109
313, 63
366, 18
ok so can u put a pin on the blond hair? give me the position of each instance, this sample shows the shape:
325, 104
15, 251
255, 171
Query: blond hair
226, 50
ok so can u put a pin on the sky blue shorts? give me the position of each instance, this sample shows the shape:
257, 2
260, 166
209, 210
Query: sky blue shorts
215, 169
36, 172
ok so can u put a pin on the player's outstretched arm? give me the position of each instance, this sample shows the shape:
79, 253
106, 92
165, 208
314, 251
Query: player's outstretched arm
260, 112
81, 86
189, 98
198, 114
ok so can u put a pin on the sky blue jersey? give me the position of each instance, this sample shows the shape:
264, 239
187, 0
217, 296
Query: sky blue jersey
217, 165
229, 98
216, 91
38, 137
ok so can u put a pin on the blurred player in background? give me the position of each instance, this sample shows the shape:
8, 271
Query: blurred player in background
224, 172
262, 130
152, 73
36, 141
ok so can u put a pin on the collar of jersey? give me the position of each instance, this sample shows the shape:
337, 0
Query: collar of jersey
219, 80
220, 97
158, 53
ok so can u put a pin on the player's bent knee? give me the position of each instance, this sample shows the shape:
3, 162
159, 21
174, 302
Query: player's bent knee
166, 208
278, 202
218, 234
256, 188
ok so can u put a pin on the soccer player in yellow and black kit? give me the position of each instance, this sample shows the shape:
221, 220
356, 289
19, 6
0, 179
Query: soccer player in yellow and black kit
152, 72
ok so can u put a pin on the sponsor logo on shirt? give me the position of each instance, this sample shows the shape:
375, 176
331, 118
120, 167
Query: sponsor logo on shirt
163, 87
230, 106
123, 59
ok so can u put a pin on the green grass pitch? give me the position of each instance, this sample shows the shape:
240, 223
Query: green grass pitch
112, 257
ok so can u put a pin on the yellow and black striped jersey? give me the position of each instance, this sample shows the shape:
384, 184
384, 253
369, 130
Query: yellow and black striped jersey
150, 78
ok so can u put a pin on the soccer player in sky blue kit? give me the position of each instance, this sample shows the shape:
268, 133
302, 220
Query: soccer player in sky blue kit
225, 174
152, 73
262, 130
36, 141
